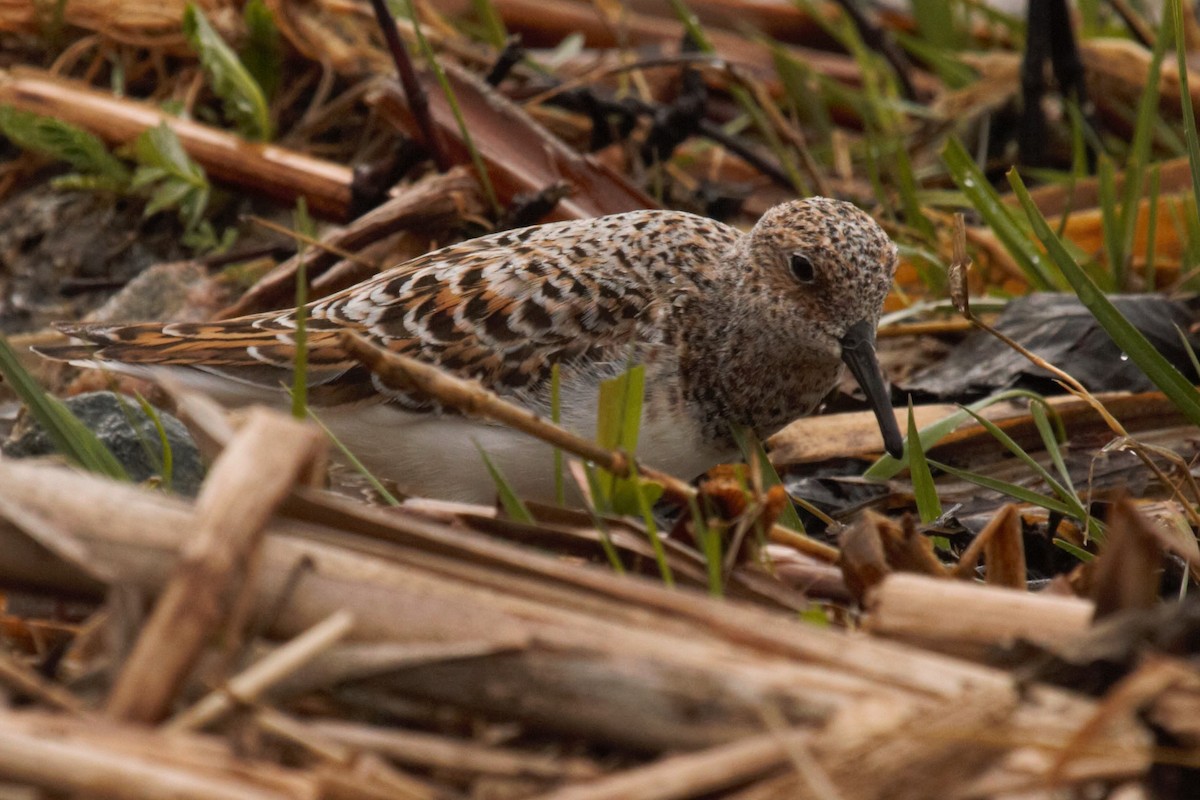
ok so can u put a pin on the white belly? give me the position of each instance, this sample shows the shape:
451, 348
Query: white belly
439, 456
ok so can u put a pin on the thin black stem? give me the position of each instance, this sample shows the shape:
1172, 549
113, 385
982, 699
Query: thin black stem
414, 93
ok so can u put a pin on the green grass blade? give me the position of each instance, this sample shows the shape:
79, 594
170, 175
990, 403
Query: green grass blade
513, 505
645, 498
163, 459
1150, 276
1075, 550
996, 215
929, 507
751, 448
1050, 440
610, 551
888, 467
1012, 490
709, 541
1114, 242
70, 436
1189, 116
1139, 152
493, 25
936, 23
481, 170
1063, 493
1131, 341
303, 224
355, 463
560, 489
1187, 346
167, 462
262, 54
618, 423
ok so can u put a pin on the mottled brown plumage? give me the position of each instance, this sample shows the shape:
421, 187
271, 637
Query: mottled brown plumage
732, 327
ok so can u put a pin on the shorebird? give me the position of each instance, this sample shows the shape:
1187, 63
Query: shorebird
745, 328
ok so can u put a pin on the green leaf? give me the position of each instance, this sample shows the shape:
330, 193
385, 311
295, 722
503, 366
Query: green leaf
241, 96
1131, 341
997, 216
62, 141
929, 507
262, 53
70, 436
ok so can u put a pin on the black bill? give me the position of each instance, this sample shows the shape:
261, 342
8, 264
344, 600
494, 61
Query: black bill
858, 351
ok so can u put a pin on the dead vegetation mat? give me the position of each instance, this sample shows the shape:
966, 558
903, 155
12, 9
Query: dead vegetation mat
272, 638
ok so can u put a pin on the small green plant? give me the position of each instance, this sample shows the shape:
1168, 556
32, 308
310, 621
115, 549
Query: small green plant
175, 181
95, 166
618, 423
241, 96
493, 25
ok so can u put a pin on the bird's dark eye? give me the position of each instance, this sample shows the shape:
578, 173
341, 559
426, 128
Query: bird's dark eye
802, 268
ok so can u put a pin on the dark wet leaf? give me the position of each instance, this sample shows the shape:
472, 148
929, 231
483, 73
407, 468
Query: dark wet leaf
1061, 330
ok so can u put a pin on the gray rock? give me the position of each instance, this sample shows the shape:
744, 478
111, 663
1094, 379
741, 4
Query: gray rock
137, 446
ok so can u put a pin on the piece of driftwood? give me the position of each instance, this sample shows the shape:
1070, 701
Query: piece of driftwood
267, 169
268, 456
967, 617
660, 667
96, 757
856, 433
456, 756
248, 686
526, 637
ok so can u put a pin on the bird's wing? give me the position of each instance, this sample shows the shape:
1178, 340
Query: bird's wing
501, 309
